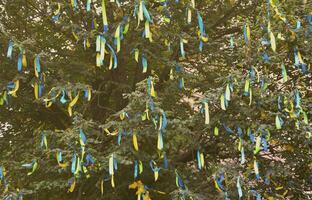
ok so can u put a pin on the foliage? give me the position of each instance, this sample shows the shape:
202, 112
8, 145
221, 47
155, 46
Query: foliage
178, 99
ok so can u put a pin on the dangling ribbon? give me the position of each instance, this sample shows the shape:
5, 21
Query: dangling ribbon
104, 17
119, 138
239, 188
117, 38
123, 115
147, 31
216, 131
89, 160
82, 137
87, 93
272, 40
166, 164
247, 33
200, 160
227, 92
150, 87
232, 44
297, 99
44, 142
10, 49
19, 61
88, 6
163, 121
218, 183
188, 15
251, 135
246, 88
37, 66
144, 64
227, 129
112, 166
140, 12
72, 184
284, 73
63, 99
278, 122
78, 166
74, 4
2, 173
256, 169
155, 169
160, 142
182, 41
299, 61
59, 159
113, 56
181, 83
179, 181
15, 86
86, 43
146, 13
100, 50
33, 165
136, 169
202, 32
136, 54
250, 96
57, 13
277, 11
72, 103
258, 142
73, 163
206, 109
223, 104
243, 159
135, 141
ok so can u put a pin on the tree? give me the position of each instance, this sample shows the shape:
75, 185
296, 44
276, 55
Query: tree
158, 99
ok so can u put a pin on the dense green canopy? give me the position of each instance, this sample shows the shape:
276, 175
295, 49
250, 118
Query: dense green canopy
155, 99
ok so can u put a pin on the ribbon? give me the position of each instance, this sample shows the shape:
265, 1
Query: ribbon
72, 103
60, 159
182, 52
44, 142
284, 73
247, 33
33, 165
155, 169
273, 43
112, 164
15, 86
82, 137
72, 184
200, 160
135, 141
179, 181
243, 159
278, 122
239, 188
113, 56
104, 17
10, 49
88, 6
160, 142
150, 87
223, 103
37, 66
144, 64
206, 109
256, 169
216, 131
